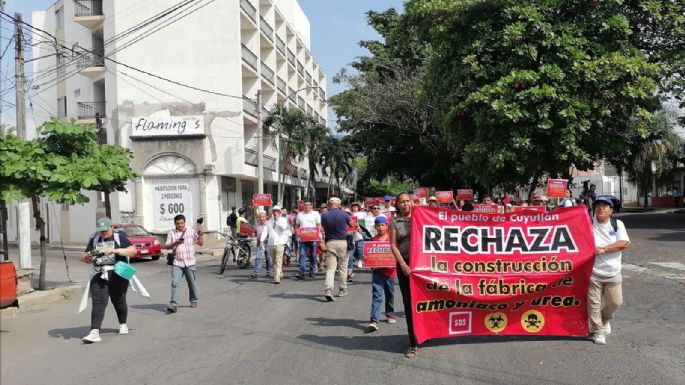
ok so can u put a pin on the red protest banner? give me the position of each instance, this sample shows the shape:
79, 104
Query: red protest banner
465, 194
308, 234
370, 201
261, 200
539, 209
485, 208
246, 229
511, 274
556, 187
354, 220
422, 192
444, 196
378, 254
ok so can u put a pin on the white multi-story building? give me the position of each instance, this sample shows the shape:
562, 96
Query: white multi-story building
179, 91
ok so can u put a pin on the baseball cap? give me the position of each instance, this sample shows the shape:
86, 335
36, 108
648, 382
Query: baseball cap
432, 199
380, 220
276, 208
603, 200
387, 198
103, 224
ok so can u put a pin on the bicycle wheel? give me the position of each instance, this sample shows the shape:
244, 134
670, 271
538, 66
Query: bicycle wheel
243, 258
224, 261
248, 253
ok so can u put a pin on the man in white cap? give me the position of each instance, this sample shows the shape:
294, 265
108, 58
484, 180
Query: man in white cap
277, 235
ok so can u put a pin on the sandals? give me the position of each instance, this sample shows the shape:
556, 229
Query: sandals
412, 352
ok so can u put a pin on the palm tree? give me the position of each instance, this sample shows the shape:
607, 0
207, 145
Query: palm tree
292, 125
6, 129
316, 135
337, 156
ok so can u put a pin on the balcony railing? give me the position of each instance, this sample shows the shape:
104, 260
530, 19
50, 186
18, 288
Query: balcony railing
322, 121
280, 44
291, 94
268, 73
269, 163
300, 68
249, 106
308, 77
310, 110
249, 9
280, 83
249, 57
323, 94
300, 102
291, 57
251, 157
87, 8
91, 59
266, 28
89, 110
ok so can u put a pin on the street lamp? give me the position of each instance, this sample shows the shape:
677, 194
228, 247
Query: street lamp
260, 145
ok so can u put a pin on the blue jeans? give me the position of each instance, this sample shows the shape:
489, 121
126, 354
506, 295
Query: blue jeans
311, 245
262, 253
177, 274
381, 284
357, 254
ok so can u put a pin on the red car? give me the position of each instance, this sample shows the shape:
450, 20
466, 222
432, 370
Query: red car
146, 244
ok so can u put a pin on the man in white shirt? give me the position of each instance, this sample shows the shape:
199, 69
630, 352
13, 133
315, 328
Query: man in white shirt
605, 283
387, 209
276, 235
307, 219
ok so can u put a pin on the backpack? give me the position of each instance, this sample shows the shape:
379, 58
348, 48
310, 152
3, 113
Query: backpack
614, 224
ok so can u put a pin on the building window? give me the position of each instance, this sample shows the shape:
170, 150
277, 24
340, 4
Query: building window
77, 92
62, 107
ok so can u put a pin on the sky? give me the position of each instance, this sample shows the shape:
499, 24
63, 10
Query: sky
336, 27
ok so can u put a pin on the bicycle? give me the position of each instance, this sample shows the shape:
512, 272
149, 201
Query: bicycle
240, 250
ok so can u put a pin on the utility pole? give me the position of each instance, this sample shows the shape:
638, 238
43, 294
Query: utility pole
260, 146
23, 207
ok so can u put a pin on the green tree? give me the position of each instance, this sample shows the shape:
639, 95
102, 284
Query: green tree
336, 158
314, 137
62, 162
292, 125
519, 90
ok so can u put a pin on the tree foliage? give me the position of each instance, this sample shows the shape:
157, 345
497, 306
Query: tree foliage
509, 90
59, 165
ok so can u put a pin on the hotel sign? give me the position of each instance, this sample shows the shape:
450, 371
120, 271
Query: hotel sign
167, 126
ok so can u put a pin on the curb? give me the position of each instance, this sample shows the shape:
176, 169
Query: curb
42, 297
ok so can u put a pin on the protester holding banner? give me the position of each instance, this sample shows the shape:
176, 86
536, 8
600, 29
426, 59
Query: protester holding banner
433, 202
387, 209
605, 282
400, 228
567, 201
260, 233
382, 283
308, 227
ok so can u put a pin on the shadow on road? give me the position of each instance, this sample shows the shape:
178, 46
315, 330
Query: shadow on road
350, 323
151, 306
498, 339
311, 297
75, 332
384, 343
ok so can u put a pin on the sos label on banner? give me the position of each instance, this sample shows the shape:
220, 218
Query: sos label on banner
261, 199
465, 194
556, 187
171, 197
518, 273
378, 254
444, 196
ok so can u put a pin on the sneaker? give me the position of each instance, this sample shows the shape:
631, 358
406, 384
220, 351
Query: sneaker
607, 328
299, 276
92, 337
253, 276
599, 339
123, 329
171, 309
193, 304
276, 282
392, 319
359, 264
349, 277
311, 274
373, 326
329, 295
342, 293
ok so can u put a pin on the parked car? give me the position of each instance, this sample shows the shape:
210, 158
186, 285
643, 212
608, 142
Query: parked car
615, 202
146, 244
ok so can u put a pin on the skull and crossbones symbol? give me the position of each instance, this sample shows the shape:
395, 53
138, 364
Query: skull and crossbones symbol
532, 321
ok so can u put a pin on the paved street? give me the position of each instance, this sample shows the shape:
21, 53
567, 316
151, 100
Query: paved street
254, 332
